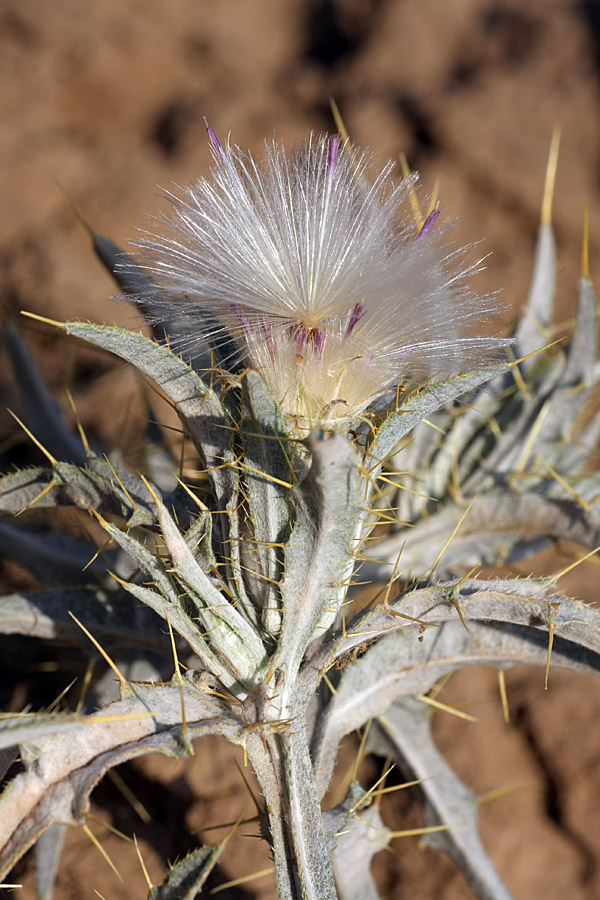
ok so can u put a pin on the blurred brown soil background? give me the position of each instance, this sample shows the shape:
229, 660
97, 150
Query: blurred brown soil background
107, 97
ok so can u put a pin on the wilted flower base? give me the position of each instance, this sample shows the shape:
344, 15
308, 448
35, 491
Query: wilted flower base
318, 387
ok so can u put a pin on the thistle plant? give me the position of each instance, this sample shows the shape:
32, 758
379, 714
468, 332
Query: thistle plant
325, 358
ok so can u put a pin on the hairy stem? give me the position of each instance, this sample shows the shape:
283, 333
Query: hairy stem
301, 851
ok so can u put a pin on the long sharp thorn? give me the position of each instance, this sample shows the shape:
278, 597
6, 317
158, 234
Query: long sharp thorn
243, 880
122, 680
443, 707
142, 864
82, 434
101, 850
30, 315
339, 122
451, 538
503, 696
37, 443
178, 676
585, 248
546, 215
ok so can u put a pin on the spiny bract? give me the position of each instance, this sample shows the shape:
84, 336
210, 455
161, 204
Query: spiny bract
316, 275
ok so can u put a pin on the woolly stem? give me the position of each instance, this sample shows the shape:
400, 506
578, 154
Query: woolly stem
301, 851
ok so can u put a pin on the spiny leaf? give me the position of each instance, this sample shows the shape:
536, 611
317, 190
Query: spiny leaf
30, 729
198, 538
65, 486
51, 557
73, 753
48, 850
407, 734
189, 631
568, 397
573, 456
508, 429
355, 839
266, 470
95, 487
235, 640
149, 562
497, 526
186, 878
431, 398
44, 415
110, 615
537, 314
583, 346
519, 421
7, 758
517, 601
400, 665
199, 408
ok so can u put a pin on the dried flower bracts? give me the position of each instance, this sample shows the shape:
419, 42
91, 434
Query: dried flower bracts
317, 274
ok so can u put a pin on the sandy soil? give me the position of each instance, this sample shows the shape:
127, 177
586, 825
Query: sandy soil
107, 98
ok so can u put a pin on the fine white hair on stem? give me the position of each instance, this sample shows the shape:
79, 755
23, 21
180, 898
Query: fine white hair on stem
309, 265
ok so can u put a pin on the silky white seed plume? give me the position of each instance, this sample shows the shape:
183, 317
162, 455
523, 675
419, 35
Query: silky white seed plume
316, 274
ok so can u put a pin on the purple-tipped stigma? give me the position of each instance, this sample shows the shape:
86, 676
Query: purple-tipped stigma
319, 341
214, 140
310, 337
301, 338
355, 317
243, 319
428, 223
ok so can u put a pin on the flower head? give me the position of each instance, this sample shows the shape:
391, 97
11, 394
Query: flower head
316, 274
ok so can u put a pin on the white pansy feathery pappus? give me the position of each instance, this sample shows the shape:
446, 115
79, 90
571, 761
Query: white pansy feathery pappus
317, 275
